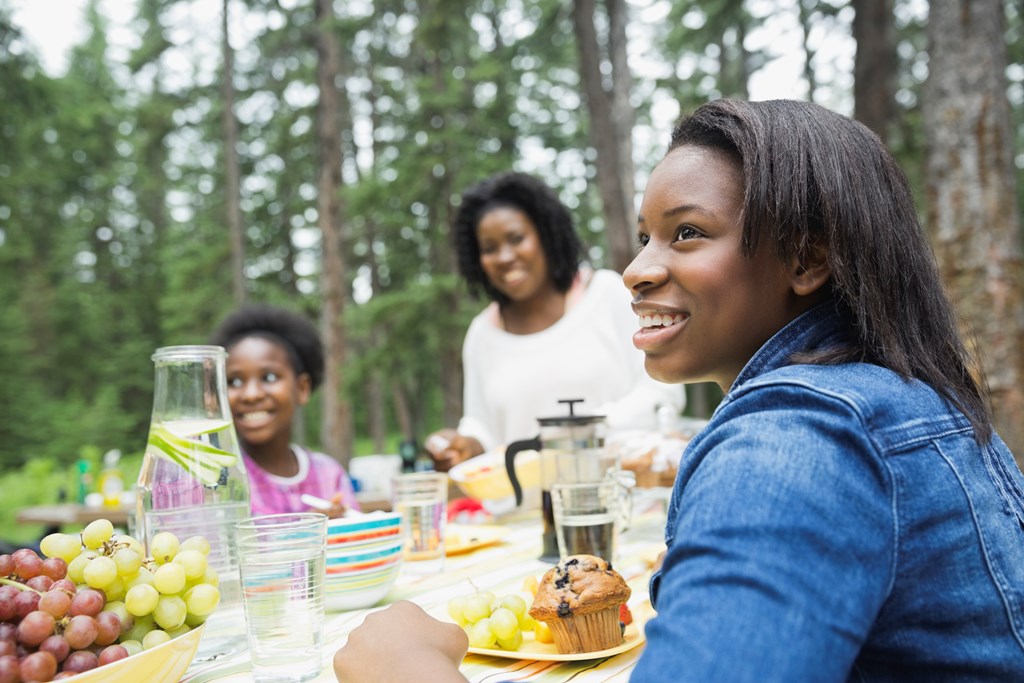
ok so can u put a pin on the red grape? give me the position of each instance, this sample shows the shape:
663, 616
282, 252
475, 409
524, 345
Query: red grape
55, 568
27, 564
81, 632
6, 565
79, 661
9, 670
7, 605
56, 646
7, 647
25, 602
35, 628
88, 601
109, 628
56, 602
39, 666
112, 654
66, 585
40, 583
8, 631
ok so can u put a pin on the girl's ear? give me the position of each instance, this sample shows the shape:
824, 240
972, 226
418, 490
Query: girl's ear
811, 271
304, 388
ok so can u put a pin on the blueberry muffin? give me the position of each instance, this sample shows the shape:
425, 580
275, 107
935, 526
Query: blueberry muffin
579, 600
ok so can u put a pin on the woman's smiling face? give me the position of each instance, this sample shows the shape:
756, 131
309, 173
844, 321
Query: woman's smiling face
511, 253
704, 307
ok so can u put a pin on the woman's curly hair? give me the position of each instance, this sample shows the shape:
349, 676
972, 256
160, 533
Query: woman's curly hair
549, 215
292, 331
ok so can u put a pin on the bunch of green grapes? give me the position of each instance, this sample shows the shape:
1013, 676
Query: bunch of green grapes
156, 598
492, 621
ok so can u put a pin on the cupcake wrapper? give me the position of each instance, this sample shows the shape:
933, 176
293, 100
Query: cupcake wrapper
587, 632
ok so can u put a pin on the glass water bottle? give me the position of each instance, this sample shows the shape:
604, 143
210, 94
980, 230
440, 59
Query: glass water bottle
193, 480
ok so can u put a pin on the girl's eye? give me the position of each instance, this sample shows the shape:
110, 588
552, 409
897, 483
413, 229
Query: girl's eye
642, 240
270, 377
686, 232
515, 239
234, 383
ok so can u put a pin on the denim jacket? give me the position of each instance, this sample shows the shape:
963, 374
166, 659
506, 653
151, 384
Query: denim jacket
838, 523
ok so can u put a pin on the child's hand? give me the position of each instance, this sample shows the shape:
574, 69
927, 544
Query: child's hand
337, 508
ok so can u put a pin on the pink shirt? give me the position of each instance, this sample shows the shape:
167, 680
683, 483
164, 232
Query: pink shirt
319, 475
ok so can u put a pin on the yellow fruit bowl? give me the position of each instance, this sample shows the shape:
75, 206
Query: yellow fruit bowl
485, 478
165, 663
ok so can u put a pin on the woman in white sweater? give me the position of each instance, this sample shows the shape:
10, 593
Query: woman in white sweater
553, 330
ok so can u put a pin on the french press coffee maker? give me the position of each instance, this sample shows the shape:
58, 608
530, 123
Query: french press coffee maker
571, 451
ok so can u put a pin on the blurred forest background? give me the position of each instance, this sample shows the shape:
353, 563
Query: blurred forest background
310, 153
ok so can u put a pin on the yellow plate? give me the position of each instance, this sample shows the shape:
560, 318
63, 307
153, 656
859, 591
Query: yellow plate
547, 652
465, 538
165, 663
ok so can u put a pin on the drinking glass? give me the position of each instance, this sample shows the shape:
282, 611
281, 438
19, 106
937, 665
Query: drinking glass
422, 498
282, 571
589, 517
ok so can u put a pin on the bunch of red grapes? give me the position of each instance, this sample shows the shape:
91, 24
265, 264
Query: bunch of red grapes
49, 628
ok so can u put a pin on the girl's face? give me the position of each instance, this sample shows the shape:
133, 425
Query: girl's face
704, 308
511, 254
263, 390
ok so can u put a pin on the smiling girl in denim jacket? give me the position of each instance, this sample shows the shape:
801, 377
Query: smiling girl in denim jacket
848, 514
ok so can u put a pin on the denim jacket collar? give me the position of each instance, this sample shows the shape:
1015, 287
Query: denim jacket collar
819, 327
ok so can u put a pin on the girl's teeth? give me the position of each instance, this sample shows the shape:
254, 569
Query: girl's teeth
660, 320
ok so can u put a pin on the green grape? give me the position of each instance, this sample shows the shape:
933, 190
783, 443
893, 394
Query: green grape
170, 612
64, 546
76, 567
118, 608
131, 543
481, 635
193, 562
489, 597
169, 578
504, 623
100, 572
180, 631
526, 622
514, 603
116, 589
134, 647
141, 600
144, 577
512, 643
456, 609
138, 631
194, 620
96, 533
127, 560
210, 576
164, 547
154, 638
202, 599
477, 607
196, 543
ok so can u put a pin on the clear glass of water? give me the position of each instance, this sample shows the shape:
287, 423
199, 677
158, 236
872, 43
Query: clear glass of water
281, 558
422, 498
589, 517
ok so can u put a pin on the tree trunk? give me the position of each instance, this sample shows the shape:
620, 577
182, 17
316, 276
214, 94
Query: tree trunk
232, 191
971, 193
611, 124
336, 431
805, 27
875, 66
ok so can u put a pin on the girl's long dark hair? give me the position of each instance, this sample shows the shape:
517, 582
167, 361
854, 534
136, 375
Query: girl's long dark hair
814, 177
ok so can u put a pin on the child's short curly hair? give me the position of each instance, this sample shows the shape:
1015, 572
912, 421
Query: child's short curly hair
292, 331
539, 202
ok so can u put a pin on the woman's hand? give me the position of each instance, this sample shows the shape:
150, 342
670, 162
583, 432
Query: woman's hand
399, 644
447, 448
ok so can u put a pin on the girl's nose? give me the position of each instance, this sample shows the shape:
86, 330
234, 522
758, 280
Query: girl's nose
645, 272
251, 389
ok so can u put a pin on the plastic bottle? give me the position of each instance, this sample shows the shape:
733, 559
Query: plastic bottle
111, 483
83, 480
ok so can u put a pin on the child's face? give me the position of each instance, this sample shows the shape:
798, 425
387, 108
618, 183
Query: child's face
263, 390
704, 307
